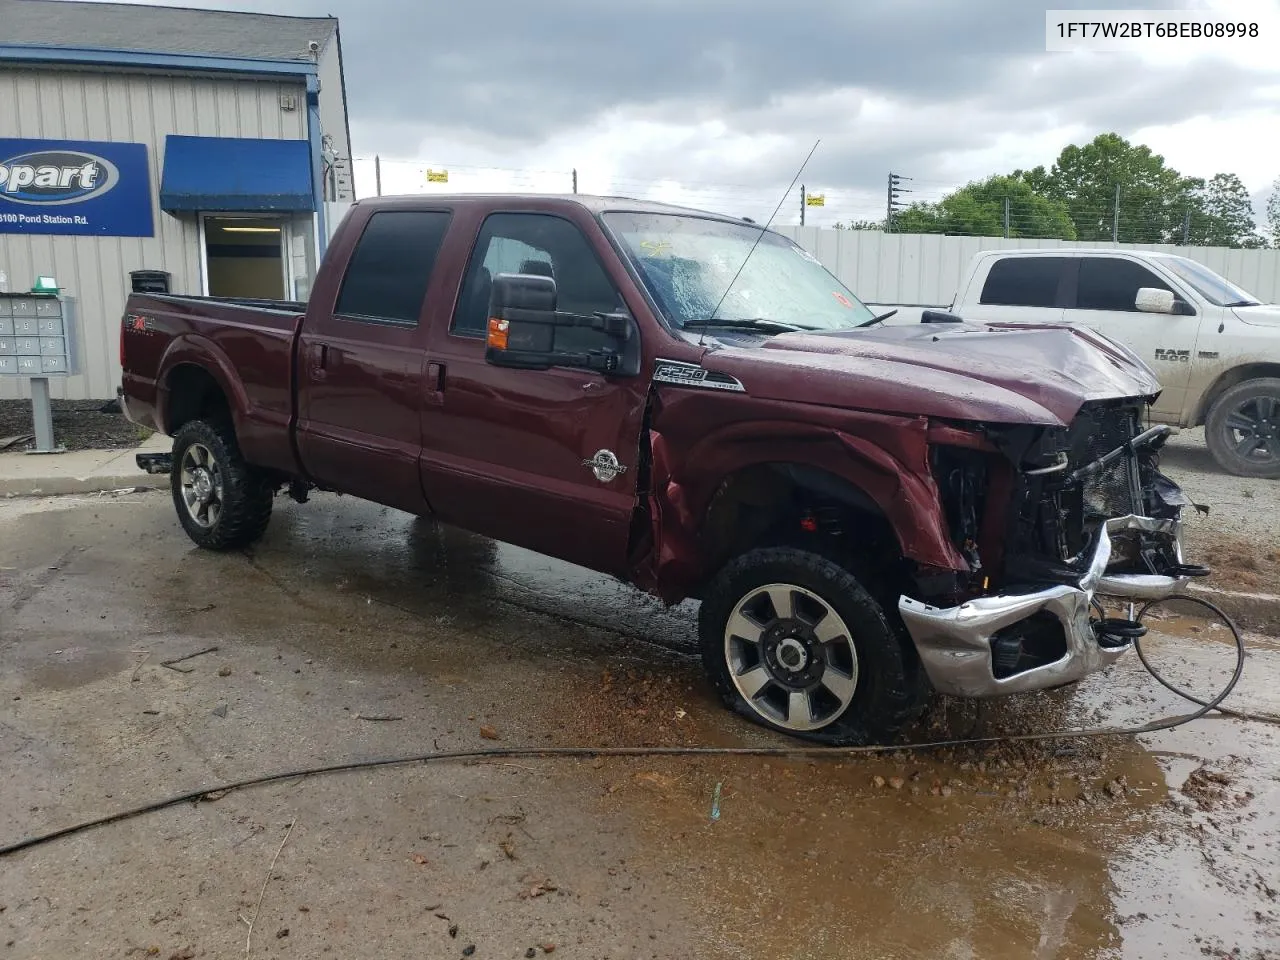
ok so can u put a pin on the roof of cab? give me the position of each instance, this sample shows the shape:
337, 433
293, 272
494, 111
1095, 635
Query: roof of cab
593, 203
1077, 252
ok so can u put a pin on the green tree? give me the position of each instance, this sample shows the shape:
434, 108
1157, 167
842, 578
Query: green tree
1224, 214
920, 218
1154, 198
1037, 178
1273, 214
860, 225
978, 210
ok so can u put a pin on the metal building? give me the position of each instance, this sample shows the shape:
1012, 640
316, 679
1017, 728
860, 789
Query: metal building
157, 147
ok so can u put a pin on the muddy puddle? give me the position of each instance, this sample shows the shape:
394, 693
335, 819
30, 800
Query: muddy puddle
1153, 846
959, 853
1163, 845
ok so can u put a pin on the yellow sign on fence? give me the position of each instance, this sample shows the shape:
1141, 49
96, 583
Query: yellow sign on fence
815, 199
437, 176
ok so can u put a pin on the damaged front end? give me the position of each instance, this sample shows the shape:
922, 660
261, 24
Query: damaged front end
1048, 518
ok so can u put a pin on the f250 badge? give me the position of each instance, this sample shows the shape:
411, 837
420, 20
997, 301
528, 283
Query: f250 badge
1173, 356
692, 375
605, 466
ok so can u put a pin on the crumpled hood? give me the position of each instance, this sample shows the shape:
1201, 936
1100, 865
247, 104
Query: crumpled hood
999, 373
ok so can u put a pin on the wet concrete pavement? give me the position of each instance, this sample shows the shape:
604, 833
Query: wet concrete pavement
353, 631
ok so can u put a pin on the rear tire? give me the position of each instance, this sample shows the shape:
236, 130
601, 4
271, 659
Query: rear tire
222, 502
828, 668
1242, 429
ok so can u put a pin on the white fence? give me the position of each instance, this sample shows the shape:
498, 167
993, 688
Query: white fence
904, 268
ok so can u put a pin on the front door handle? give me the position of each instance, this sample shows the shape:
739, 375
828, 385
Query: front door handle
319, 367
435, 384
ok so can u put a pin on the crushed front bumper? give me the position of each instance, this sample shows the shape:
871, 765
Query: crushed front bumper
959, 646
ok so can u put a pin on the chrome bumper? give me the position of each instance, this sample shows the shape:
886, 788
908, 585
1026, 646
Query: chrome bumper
955, 643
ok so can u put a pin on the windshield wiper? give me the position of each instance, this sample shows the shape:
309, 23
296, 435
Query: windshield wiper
874, 320
752, 323
1243, 303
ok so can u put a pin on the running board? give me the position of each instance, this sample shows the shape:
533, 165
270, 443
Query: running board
155, 462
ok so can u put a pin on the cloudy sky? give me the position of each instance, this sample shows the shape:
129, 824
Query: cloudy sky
716, 103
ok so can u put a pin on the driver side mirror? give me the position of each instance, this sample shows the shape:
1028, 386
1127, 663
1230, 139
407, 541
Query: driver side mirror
1153, 300
523, 322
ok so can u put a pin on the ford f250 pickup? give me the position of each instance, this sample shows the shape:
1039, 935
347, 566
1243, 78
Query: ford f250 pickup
692, 404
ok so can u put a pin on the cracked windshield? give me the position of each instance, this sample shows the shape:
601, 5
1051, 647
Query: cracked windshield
688, 262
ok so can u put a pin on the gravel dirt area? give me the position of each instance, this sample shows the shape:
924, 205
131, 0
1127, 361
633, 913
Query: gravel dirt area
77, 425
354, 631
1240, 536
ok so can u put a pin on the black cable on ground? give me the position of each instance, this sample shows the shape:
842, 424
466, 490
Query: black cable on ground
492, 753
1137, 645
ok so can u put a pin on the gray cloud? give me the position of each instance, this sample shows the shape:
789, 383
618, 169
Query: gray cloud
525, 70
497, 78
859, 155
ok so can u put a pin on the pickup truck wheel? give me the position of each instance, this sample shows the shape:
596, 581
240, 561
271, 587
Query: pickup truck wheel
1242, 429
792, 641
222, 502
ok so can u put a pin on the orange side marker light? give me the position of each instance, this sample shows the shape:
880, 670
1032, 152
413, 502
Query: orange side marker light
497, 337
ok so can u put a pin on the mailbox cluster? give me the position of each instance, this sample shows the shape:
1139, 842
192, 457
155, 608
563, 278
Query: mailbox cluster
37, 336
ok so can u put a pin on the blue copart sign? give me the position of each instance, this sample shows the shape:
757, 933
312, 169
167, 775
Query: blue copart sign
75, 187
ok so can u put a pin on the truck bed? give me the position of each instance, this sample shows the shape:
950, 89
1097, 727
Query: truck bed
246, 345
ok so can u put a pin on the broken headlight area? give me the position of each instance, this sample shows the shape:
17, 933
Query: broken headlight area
1048, 519
963, 479
1071, 481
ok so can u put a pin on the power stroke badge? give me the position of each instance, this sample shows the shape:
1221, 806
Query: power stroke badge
605, 466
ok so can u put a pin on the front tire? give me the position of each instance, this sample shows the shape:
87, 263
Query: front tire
222, 502
1242, 429
793, 642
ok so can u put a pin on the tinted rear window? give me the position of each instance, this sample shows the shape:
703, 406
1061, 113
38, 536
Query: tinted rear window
391, 266
1023, 282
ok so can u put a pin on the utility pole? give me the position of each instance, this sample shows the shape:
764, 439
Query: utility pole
802, 199
575, 179
377, 172
1006, 218
1115, 222
1186, 228
894, 190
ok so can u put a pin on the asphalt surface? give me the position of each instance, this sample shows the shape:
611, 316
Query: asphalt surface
354, 631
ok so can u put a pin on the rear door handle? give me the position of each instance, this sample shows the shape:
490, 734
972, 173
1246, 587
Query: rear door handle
321, 362
435, 384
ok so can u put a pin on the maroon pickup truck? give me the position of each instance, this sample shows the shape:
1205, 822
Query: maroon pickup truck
692, 404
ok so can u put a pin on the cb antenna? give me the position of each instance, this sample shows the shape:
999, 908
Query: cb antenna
763, 231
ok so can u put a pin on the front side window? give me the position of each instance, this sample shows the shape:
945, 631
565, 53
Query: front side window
541, 244
1023, 282
390, 268
689, 263
1110, 283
